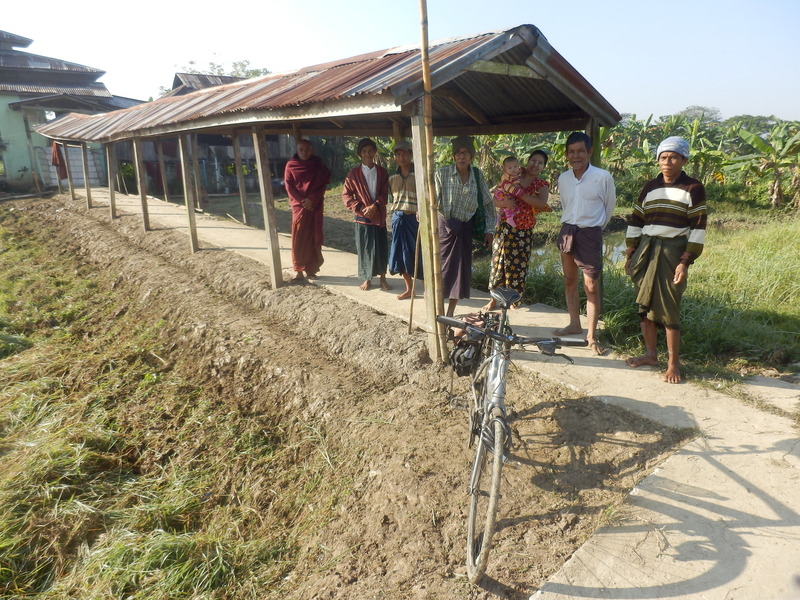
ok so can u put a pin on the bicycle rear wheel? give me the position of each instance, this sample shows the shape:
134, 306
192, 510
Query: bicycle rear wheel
484, 494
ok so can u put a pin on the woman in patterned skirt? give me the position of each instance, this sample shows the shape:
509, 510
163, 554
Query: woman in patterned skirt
511, 250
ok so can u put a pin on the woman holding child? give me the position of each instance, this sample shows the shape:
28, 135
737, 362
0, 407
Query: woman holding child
520, 197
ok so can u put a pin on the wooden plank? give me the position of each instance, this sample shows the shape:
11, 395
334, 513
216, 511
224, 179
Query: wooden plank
86, 183
237, 158
188, 193
141, 180
268, 206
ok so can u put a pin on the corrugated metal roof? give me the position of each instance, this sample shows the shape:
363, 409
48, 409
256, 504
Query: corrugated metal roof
12, 40
14, 59
379, 83
97, 90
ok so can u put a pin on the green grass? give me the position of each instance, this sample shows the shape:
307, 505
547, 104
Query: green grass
121, 479
741, 308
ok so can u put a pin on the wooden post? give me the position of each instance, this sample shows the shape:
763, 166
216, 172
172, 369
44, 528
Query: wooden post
113, 167
141, 180
69, 171
198, 184
86, 183
397, 132
54, 146
593, 131
38, 181
429, 237
237, 157
268, 205
188, 195
425, 132
162, 168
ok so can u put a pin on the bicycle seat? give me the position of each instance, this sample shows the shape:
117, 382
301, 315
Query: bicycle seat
505, 297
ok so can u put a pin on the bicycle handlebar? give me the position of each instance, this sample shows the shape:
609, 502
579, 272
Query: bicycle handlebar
511, 339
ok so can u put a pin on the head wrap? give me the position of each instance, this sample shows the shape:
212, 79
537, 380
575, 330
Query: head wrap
674, 144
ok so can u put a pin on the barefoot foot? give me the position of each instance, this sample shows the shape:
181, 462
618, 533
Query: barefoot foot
638, 361
366, 285
405, 295
597, 348
673, 375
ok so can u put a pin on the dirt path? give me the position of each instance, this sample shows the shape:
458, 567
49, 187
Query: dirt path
395, 526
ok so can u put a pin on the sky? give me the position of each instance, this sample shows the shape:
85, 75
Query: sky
646, 58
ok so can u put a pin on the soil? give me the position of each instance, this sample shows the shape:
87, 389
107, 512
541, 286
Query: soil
396, 438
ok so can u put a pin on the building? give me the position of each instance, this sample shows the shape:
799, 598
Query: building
34, 90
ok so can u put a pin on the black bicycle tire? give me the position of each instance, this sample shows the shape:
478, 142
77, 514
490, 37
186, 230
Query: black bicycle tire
482, 516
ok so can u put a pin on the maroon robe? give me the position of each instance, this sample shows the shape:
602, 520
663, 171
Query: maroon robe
306, 179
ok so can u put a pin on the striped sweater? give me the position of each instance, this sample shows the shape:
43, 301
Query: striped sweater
670, 210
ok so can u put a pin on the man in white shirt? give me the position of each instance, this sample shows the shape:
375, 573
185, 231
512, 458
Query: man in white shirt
588, 198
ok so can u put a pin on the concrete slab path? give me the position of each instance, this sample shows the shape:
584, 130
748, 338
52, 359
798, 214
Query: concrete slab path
720, 519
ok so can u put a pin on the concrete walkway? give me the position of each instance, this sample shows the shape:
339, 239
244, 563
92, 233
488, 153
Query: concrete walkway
718, 520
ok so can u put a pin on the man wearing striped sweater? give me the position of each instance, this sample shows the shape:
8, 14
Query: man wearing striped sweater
665, 235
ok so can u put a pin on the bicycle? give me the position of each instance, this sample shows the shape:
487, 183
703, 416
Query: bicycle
484, 353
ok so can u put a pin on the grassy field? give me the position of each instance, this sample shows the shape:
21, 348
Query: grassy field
741, 310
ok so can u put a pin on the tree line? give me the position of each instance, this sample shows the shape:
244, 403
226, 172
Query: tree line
747, 158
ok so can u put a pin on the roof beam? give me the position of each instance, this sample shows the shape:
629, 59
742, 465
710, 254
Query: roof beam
494, 68
464, 103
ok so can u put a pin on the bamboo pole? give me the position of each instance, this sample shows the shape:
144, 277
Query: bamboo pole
433, 279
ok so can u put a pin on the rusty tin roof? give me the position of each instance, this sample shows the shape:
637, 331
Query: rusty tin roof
495, 82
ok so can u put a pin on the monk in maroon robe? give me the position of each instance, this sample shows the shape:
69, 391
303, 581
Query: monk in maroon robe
306, 178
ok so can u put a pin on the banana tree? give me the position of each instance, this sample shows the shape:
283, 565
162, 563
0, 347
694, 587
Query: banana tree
774, 155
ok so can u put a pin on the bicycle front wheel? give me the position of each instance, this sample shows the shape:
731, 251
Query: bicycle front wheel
484, 494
